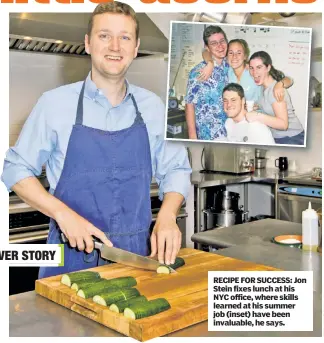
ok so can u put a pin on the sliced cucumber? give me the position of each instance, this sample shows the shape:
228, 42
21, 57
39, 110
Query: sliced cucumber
146, 309
106, 286
84, 284
123, 282
88, 291
120, 306
106, 299
164, 269
68, 279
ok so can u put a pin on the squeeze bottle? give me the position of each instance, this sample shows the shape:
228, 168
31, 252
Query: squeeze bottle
310, 229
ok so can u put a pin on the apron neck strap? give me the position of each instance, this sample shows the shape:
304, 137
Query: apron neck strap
79, 116
138, 118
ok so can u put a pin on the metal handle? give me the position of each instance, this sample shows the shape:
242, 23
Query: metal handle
97, 244
276, 162
28, 237
29, 228
207, 215
20, 207
64, 239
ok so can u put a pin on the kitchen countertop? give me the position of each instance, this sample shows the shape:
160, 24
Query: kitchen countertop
267, 175
252, 242
248, 233
31, 315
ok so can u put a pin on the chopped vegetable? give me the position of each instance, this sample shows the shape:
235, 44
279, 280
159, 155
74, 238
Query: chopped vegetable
106, 299
165, 269
84, 283
120, 306
106, 286
68, 279
146, 309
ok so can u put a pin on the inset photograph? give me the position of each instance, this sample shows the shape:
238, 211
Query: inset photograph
238, 84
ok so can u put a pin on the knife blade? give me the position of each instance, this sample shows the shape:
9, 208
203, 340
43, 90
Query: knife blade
127, 258
124, 257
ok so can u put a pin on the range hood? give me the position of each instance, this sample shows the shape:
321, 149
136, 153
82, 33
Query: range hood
63, 33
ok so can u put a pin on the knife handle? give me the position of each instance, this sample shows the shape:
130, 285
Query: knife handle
97, 243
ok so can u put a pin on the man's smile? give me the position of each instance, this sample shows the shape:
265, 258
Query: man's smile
113, 58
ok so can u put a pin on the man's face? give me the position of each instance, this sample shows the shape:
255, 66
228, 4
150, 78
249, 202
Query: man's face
217, 46
233, 104
112, 44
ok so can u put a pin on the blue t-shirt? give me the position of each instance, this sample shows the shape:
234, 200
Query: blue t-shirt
251, 90
208, 101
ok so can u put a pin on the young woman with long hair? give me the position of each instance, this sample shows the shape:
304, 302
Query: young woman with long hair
279, 116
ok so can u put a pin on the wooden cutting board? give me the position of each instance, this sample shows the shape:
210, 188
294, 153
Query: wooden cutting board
186, 291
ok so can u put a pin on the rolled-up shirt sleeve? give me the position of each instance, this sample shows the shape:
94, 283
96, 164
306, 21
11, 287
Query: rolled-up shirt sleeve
32, 148
171, 165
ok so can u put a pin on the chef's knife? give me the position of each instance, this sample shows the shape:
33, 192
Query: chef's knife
125, 257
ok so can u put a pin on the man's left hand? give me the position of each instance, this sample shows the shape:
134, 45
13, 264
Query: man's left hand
166, 238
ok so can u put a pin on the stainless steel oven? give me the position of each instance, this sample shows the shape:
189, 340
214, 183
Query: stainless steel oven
293, 196
26, 225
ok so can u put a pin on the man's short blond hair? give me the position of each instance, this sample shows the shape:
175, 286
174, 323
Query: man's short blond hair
114, 7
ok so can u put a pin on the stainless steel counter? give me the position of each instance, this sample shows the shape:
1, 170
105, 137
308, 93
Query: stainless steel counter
204, 180
31, 315
252, 242
252, 232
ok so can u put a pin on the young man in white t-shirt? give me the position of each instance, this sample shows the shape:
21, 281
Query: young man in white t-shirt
237, 127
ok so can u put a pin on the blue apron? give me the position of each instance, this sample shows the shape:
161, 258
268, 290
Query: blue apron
105, 179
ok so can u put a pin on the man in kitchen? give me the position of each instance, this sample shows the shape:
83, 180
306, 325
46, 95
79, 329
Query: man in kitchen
101, 141
237, 127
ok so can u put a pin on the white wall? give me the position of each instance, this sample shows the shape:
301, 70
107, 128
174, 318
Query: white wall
151, 73
313, 20
31, 74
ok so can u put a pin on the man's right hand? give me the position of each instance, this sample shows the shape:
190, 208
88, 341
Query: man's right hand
78, 230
